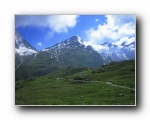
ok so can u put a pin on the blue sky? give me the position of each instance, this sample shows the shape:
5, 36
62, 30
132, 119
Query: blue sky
42, 31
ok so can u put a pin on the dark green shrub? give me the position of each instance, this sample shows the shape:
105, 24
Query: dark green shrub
82, 77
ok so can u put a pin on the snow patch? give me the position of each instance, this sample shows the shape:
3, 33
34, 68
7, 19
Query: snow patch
59, 45
22, 48
24, 51
79, 39
45, 50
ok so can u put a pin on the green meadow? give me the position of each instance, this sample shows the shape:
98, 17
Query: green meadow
112, 84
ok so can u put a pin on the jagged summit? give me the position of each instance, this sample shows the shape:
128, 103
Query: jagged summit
22, 47
76, 38
70, 43
116, 52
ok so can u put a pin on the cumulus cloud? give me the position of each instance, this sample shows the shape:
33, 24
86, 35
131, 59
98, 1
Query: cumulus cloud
118, 28
61, 23
57, 23
127, 29
101, 32
39, 44
96, 47
125, 40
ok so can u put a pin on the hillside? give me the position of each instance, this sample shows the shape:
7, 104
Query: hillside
112, 84
70, 52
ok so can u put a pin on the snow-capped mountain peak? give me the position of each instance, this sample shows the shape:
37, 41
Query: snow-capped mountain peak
79, 39
73, 42
76, 39
116, 52
22, 47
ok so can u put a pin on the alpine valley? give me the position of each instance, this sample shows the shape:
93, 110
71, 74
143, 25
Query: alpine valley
71, 52
71, 73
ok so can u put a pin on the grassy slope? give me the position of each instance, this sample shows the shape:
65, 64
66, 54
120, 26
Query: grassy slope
62, 88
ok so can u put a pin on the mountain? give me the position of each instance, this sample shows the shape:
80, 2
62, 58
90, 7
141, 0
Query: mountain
22, 47
114, 52
129, 50
24, 52
70, 52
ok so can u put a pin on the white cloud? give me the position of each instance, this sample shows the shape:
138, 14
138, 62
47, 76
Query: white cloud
100, 33
95, 46
110, 21
125, 40
39, 44
61, 23
127, 29
96, 20
118, 28
119, 20
100, 48
57, 23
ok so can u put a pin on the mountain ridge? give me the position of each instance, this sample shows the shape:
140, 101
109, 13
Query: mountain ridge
112, 52
115, 52
70, 52
22, 47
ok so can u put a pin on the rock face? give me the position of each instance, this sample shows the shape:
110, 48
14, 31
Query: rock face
22, 47
24, 52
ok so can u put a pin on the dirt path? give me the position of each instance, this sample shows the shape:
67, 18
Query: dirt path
108, 83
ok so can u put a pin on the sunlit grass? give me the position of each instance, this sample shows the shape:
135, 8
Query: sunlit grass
60, 88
